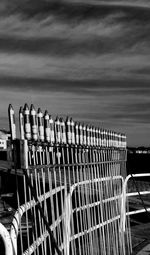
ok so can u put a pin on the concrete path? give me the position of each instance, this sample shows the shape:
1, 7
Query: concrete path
145, 250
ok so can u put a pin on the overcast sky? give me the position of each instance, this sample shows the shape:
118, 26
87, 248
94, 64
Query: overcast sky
84, 58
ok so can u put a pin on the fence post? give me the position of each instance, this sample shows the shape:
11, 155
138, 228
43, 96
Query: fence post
67, 219
123, 205
6, 239
24, 154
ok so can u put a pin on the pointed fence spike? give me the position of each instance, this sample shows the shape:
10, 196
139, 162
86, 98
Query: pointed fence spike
57, 130
46, 127
21, 123
33, 120
52, 130
68, 130
40, 124
12, 124
27, 124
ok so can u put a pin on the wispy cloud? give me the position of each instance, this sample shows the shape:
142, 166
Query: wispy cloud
128, 3
100, 41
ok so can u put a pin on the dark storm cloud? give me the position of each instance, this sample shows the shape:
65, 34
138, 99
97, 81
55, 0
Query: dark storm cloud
89, 59
67, 28
97, 88
56, 46
117, 35
133, 112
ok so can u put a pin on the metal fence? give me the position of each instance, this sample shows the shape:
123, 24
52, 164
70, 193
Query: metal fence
69, 182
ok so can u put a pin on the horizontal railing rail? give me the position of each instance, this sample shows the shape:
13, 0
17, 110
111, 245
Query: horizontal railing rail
127, 194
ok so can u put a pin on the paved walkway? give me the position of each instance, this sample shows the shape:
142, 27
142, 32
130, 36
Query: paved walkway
141, 238
145, 250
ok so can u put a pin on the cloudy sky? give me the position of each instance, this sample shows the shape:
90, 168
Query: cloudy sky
89, 59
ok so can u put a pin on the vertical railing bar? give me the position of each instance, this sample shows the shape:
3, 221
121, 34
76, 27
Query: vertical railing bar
86, 196
92, 191
101, 205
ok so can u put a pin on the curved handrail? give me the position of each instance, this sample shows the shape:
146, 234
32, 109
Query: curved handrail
21, 210
6, 239
125, 195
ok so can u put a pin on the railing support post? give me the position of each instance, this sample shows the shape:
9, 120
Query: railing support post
24, 154
67, 220
6, 239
